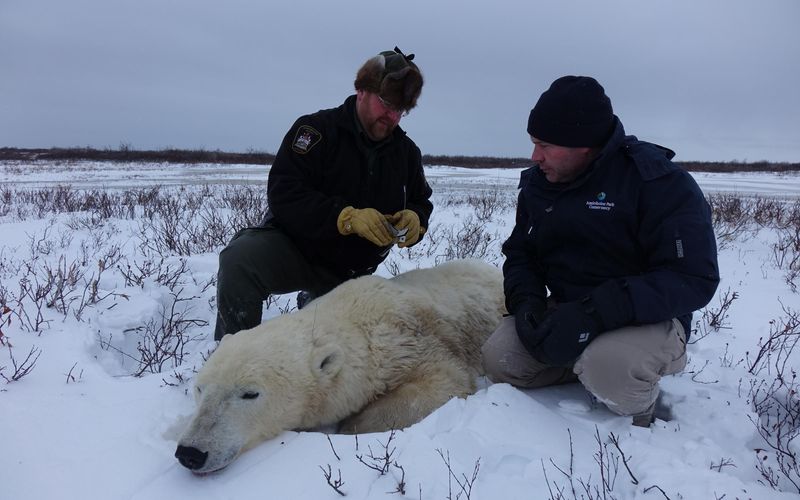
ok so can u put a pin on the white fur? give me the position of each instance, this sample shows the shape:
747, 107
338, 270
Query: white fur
373, 354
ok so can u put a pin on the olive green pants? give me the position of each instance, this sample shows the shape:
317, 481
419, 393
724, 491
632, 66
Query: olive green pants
257, 263
621, 368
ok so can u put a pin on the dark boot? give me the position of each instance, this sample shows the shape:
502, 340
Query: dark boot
234, 317
645, 418
304, 297
658, 410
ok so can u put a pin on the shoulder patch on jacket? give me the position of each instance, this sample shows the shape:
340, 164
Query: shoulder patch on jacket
305, 139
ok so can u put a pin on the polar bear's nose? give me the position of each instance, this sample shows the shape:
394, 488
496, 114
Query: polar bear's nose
191, 457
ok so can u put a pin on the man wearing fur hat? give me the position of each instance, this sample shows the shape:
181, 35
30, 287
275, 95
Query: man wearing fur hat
346, 185
621, 238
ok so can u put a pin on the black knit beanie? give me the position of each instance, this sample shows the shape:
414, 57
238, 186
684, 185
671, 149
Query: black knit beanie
573, 112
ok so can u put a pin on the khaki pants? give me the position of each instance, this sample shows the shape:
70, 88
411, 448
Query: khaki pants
621, 368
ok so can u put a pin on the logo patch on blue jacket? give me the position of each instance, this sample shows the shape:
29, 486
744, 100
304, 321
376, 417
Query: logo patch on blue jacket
600, 203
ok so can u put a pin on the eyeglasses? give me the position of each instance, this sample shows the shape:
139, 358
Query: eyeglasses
391, 108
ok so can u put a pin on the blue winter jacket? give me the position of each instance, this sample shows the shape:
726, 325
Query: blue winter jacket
633, 216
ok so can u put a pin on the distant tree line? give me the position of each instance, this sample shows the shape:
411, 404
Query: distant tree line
125, 154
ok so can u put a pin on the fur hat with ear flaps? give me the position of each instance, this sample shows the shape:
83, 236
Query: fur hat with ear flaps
393, 76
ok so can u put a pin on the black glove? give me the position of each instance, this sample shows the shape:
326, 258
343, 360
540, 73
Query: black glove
526, 319
566, 331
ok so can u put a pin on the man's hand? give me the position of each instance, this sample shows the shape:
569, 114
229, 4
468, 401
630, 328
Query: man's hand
367, 223
526, 320
406, 219
565, 333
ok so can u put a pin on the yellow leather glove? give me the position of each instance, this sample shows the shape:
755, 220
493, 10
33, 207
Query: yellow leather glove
367, 223
408, 220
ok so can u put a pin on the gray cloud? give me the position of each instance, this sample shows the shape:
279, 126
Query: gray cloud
714, 80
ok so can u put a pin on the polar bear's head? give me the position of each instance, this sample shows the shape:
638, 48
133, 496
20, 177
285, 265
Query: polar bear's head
257, 384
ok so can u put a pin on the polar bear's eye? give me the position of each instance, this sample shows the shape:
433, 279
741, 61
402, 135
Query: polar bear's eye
250, 395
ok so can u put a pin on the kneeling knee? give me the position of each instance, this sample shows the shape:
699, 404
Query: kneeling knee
493, 363
622, 382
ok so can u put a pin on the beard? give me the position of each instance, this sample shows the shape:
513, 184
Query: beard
380, 128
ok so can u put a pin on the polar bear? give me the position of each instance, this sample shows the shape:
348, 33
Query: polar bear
371, 355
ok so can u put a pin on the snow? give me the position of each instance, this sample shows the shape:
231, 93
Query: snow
80, 426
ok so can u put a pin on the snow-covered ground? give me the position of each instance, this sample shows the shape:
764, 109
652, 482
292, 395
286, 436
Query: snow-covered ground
79, 426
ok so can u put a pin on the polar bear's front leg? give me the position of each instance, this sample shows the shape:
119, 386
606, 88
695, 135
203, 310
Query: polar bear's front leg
430, 386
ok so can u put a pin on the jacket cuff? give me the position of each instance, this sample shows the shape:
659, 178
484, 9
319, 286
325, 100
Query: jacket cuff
514, 304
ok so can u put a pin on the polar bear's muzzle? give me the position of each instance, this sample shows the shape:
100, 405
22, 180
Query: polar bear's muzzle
190, 457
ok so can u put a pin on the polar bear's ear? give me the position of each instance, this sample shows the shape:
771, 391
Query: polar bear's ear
327, 360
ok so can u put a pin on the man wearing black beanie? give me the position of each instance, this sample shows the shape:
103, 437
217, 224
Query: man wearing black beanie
612, 251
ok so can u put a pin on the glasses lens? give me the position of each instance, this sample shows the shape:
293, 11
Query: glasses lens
391, 107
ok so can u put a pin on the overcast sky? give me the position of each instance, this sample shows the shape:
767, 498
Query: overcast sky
711, 79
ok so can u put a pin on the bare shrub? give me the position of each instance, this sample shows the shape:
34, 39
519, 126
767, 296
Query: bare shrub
92, 294
22, 368
775, 397
768, 212
63, 279
85, 221
488, 203
714, 319
392, 267
717, 317
336, 483
64, 199
143, 195
33, 291
464, 482
247, 205
786, 252
161, 272
74, 377
164, 232
6, 197
5, 321
730, 216
164, 338
39, 245
184, 224
775, 351
382, 461
470, 240
608, 457
212, 231
9, 266
727, 208
428, 247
